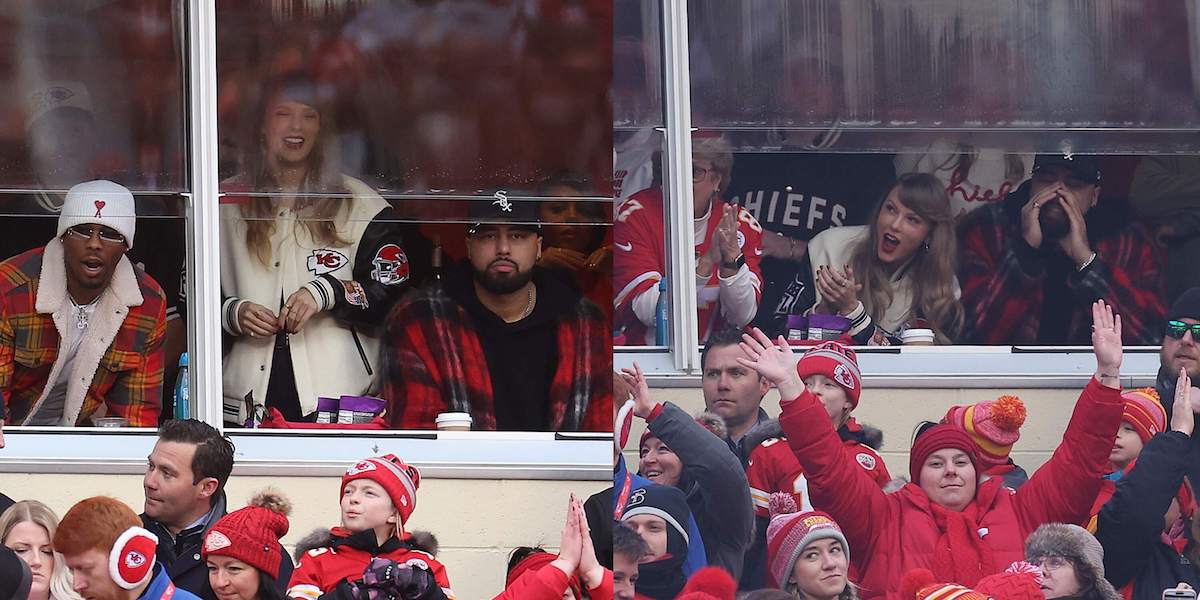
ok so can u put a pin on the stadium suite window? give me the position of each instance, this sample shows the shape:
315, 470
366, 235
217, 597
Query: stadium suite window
98, 97
378, 132
825, 103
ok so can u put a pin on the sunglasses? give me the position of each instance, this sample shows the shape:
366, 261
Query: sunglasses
107, 234
1176, 329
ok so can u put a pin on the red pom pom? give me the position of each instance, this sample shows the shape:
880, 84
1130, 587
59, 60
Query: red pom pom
713, 581
913, 581
1008, 413
782, 503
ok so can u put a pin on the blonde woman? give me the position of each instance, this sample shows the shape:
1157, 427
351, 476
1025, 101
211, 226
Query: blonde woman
27, 528
897, 272
311, 261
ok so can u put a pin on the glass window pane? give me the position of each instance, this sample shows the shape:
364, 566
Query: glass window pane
974, 174
1026, 76
92, 223
95, 92
361, 146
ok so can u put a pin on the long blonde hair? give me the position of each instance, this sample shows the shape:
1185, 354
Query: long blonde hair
322, 215
932, 269
32, 511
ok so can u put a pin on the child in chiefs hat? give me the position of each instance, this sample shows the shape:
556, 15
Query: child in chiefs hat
378, 495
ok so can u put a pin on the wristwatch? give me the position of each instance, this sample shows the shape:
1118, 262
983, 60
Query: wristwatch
736, 264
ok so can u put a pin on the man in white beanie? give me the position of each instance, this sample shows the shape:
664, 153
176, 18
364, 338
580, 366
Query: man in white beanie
81, 328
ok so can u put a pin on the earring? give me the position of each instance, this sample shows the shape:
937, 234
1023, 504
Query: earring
925, 245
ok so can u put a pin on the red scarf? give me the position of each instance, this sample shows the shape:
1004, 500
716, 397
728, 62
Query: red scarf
961, 555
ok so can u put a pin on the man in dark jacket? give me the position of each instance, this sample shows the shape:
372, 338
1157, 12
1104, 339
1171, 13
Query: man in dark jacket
1181, 349
676, 450
515, 347
1148, 504
184, 490
1031, 266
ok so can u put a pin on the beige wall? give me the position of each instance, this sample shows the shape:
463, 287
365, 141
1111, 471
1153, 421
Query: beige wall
477, 522
897, 411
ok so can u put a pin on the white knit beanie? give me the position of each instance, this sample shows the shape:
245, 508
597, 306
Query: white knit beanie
101, 202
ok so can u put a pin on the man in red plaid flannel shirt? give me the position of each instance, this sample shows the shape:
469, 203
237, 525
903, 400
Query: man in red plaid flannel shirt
1031, 266
502, 340
81, 329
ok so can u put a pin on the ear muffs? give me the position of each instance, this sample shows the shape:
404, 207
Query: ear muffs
131, 560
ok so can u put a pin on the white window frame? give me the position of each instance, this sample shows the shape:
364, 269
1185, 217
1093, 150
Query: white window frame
454, 455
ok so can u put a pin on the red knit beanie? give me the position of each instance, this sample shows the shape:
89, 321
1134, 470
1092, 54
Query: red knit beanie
921, 584
535, 562
1011, 585
398, 479
836, 362
995, 425
1144, 411
709, 583
790, 531
940, 437
251, 534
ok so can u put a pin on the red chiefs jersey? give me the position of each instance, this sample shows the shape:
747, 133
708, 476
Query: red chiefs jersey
321, 569
639, 242
774, 468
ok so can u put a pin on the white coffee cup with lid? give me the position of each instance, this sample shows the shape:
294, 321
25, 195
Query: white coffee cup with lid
917, 337
453, 421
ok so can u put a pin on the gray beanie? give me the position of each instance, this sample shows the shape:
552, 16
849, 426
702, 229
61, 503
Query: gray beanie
1073, 542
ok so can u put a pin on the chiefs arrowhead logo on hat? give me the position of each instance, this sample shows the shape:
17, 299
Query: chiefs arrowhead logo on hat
842, 375
215, 541
361, 467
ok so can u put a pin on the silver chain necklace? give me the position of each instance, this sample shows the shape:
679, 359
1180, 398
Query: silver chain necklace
528, 305
81, 313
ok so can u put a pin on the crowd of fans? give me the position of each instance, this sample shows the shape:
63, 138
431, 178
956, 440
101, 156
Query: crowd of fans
186, 545
962, 245
802, 506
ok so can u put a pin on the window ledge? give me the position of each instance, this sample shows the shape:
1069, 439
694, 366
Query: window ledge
439, 455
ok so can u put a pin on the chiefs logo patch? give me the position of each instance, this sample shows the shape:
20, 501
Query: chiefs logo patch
361, 467
134, 559
391, 265
215, 541
324, 261
866, 460
842, 375
741, 239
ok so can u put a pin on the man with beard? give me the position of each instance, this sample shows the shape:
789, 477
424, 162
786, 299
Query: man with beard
499, 339
81, 328
1031, 266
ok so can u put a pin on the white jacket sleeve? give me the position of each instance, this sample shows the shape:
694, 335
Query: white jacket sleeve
739, 302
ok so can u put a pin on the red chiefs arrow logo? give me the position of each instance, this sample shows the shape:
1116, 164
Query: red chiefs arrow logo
324, 261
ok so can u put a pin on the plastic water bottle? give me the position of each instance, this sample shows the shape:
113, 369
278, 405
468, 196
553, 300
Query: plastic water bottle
182, 408
660, 315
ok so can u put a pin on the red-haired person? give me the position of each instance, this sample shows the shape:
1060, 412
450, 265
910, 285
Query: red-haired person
110, 556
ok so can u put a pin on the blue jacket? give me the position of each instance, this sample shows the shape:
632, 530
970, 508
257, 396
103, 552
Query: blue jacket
159, 585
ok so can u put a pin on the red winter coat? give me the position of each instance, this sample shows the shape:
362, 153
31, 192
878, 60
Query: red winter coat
548, 583
320, 570
891, 534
